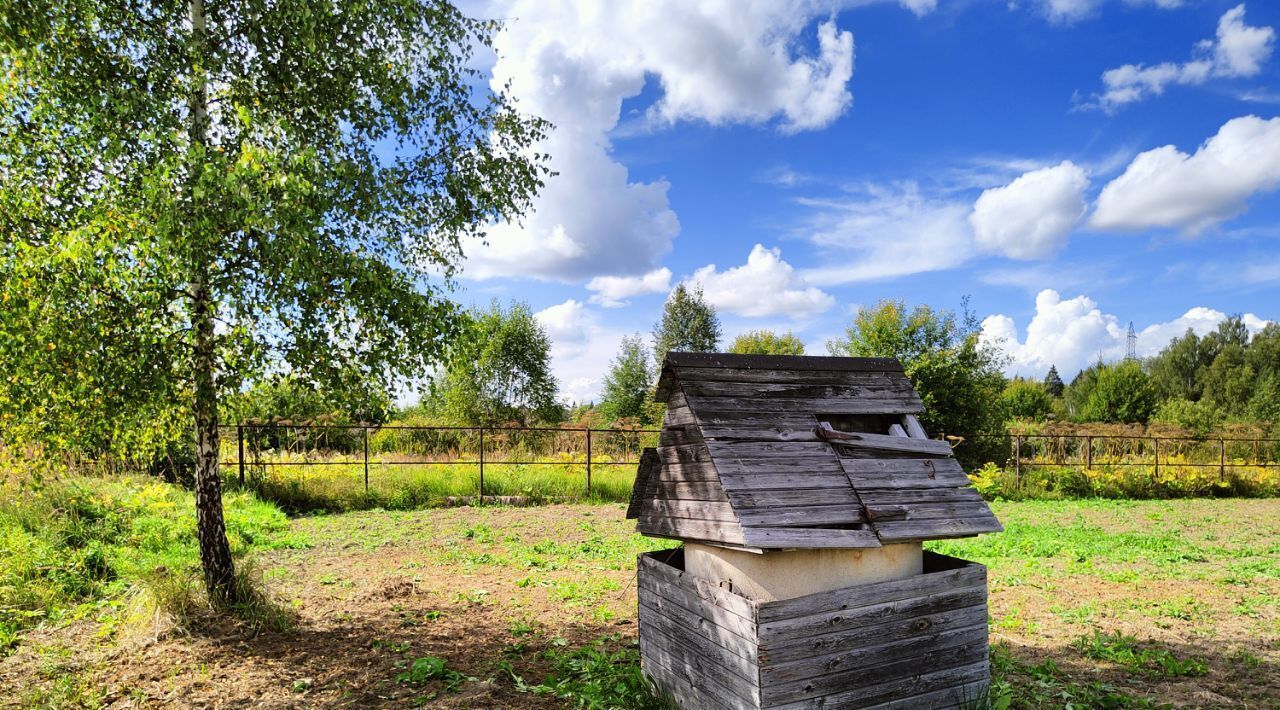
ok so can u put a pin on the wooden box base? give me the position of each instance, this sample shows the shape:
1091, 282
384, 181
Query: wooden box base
919, 642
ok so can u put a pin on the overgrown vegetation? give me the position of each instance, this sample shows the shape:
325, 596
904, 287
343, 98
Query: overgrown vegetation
79, 547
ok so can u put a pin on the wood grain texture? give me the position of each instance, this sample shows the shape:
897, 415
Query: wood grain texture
797, 537
838, 601
878, 664
806, 363
689, 510
704, 406
685, 529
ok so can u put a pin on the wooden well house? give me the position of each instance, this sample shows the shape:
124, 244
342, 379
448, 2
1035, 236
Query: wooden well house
802, 488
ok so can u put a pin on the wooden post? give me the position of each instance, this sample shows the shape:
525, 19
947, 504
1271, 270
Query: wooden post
240, 446
482, 465
1088, 452
588, 462
1222, 460
366, 459
1156, 442
1017, 462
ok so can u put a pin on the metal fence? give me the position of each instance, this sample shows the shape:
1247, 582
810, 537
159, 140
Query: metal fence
261, 446
1085, 451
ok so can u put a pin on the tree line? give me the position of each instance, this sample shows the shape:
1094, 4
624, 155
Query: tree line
1197, 383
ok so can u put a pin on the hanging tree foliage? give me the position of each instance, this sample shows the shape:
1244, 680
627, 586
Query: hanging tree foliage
190, 191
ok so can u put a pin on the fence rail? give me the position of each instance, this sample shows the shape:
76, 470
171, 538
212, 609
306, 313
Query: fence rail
261, 446
1122, 450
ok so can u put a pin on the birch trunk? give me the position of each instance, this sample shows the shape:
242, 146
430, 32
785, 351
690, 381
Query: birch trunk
211, 530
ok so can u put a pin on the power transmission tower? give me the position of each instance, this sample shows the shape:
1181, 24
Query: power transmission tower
1131, 349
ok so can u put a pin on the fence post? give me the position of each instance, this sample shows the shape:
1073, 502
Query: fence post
1088, 452
588, 462
1156, 441
1222, 460
366, 460
240, 447
1017, 462
481, 465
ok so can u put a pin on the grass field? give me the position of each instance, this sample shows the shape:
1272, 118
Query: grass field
340, 485
1093, 604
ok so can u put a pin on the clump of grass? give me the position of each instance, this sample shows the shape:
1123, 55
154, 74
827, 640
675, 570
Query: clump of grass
83, 541
1126, 651
603, 674
1017, 684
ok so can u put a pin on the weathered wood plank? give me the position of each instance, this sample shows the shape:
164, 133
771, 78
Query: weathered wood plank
794, 657
914, 429
668, 565
685, 529
786, 637
783, 376
693, 490
675, 435
684, 453
738, 651
955, 652
899, 481
904, 465
850, 669
641, 490
908, 685
845, 513
689, 509
836, 602
783, 538
934, 511
899, 531
793, 362
870, 388
681, 690
685, 607
885, 442
782, 481
965, 695
678, 416
701, 673
744, 498
771, 449
919, 496
705, 406
687, 645
686, 472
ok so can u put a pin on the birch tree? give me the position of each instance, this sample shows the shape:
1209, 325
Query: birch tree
193, 191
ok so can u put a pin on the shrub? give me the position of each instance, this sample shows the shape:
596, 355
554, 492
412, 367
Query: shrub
1024, 399
1199, 417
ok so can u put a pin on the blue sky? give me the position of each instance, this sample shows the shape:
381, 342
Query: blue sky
1070, 165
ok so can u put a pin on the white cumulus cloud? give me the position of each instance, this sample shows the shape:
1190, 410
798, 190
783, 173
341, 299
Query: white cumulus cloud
575, 63
1165, 187
764, 286
1239, 50
1030, 217
1073, 333
581, 349
886, 233
613, 291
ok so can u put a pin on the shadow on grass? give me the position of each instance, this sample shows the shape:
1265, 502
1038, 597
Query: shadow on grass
1118, 671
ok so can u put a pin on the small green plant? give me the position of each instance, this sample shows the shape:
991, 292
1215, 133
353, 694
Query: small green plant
430, 668
600, 675
1126, 651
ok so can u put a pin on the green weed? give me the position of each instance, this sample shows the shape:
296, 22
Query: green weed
1125, 651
